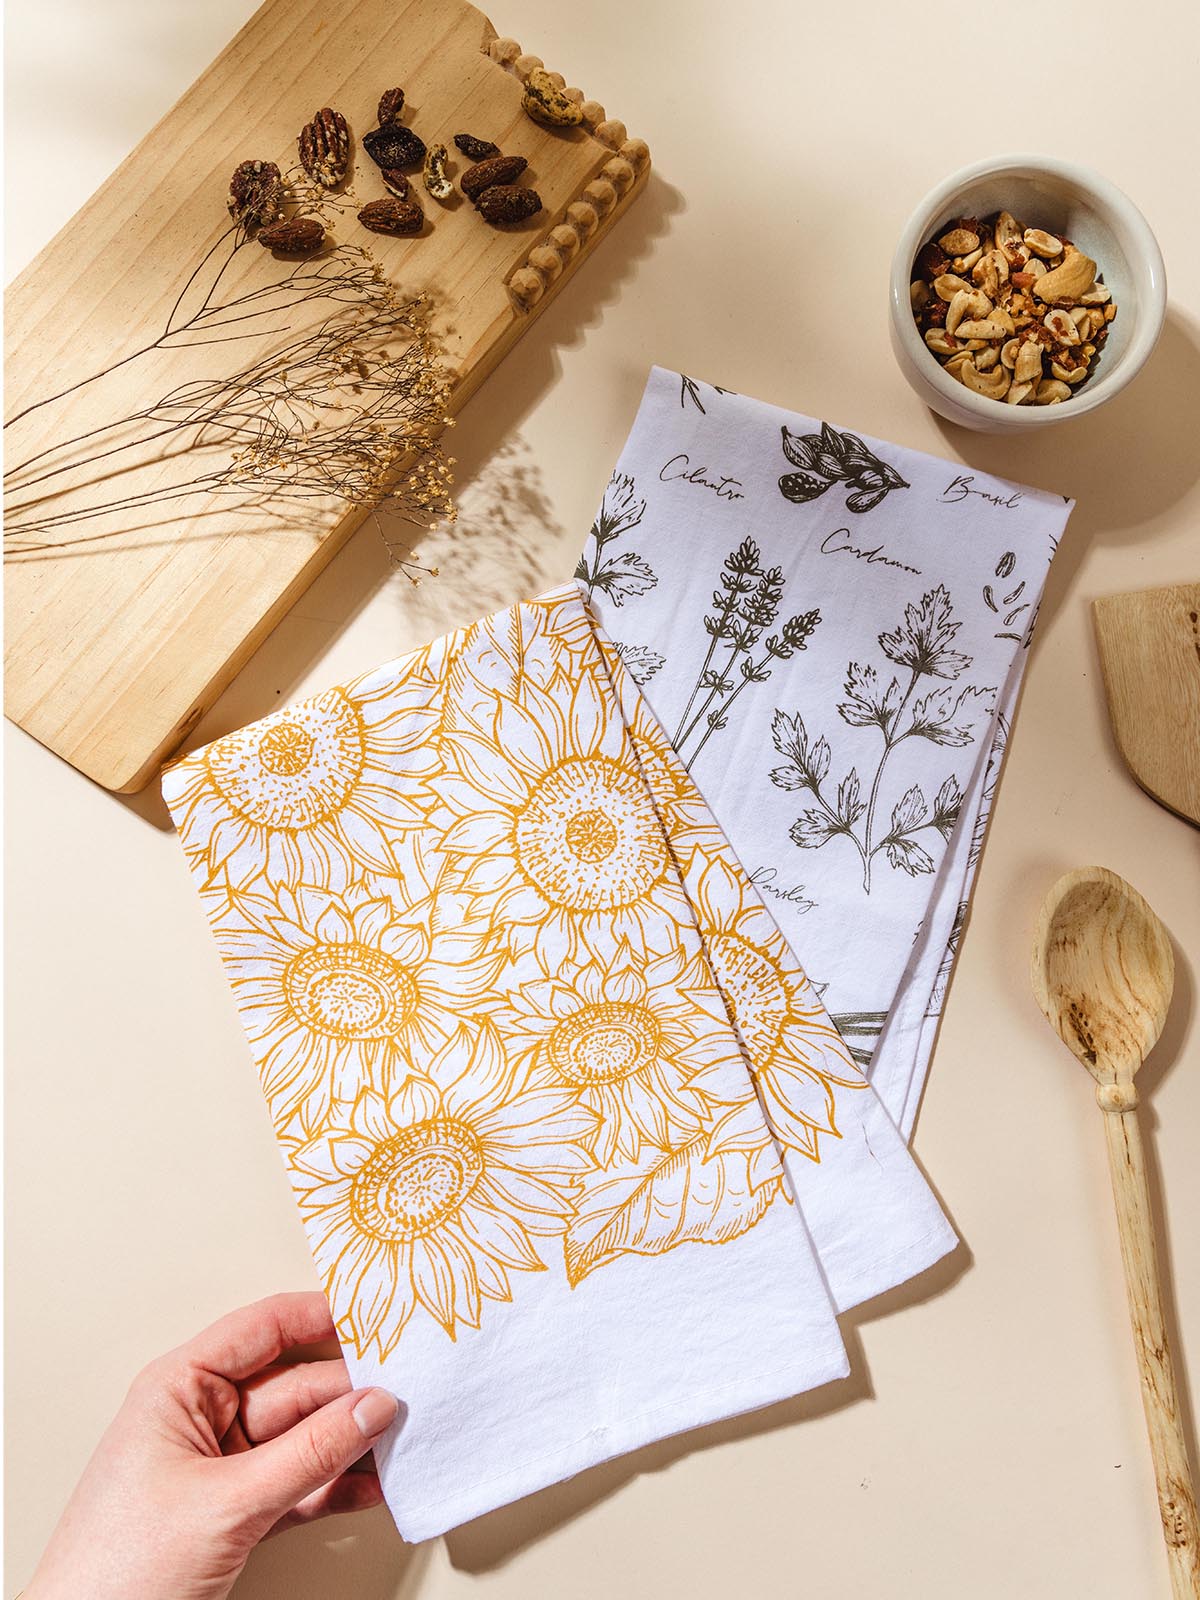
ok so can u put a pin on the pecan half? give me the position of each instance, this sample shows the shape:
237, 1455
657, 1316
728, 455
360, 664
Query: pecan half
325, 147
391, 104
484, 174
475, 149
508, 202
298, 236
255, 193
392, 216
395, 182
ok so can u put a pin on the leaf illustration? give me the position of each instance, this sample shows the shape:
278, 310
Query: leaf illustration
623, 576
865, 706
679, 1198
641, 661
789, 737
788, 778
947, 806
922, 640
908, 855
812, 829
819, 760
933, 717
849, 806
909, 811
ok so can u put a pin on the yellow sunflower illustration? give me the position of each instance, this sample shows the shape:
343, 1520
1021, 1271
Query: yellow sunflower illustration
312, 793
548, 820
334, 990
434, 1197
796, 1055
617, 1033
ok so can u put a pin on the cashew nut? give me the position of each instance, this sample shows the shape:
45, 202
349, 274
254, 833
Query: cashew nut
981, 329
967, 302
1099, 294
1069, 281
1042, 243
1018, 392
1050, 392
949, 284
1008, 353
1028, 364
1071, 375
956, 363
1059, 323
940, 343
993, 384
987, 358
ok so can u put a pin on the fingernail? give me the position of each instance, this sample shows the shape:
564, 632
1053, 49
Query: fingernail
374, 1412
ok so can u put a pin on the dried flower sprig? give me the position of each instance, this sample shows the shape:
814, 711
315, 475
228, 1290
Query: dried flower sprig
347, 401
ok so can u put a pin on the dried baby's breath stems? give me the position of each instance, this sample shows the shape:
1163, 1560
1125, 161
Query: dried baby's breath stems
345, 401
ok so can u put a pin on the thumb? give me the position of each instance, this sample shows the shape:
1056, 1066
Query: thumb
279, 1474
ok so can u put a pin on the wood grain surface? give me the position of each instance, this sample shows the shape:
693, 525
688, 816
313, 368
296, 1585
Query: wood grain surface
1150, 653
123, 628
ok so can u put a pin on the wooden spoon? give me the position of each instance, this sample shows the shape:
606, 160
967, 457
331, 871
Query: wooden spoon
1103, 973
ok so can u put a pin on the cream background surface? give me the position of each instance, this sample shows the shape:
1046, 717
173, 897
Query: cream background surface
990, 1442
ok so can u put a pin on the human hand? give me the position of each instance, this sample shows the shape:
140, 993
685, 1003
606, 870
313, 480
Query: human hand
215, 1447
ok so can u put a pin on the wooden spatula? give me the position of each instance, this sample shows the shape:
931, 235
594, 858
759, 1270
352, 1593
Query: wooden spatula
1150, 655
1103, 972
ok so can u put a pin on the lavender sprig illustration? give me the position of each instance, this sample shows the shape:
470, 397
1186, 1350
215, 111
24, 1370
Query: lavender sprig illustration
617, 576
745, 605
829, 457
922, 645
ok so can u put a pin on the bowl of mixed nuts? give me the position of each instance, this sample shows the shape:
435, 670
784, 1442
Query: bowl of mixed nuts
1024, 290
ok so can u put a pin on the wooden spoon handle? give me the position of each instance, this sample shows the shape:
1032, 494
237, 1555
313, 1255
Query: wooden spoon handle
1160, 1397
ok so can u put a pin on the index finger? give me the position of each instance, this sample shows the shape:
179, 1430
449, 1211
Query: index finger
254, 1336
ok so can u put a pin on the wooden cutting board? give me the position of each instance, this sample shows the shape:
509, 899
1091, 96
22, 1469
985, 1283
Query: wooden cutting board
137, 595
1150, 655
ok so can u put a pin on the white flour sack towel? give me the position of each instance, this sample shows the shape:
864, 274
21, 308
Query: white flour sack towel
831, 631
540, 1079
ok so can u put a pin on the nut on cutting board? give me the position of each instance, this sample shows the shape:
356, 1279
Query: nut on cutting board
133, 606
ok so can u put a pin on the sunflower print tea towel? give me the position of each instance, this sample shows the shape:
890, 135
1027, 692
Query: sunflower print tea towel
832, 631
546, 1082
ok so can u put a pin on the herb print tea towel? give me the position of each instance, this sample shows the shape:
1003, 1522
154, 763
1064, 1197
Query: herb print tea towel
832, 631
545, 1077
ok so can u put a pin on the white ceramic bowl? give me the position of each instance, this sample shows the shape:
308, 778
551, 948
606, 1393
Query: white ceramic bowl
1062, 198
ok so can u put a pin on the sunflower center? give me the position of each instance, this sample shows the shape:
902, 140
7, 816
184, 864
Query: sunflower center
294, 769
592, 836
588, 838
413, 1182
604, 1043
754, 988
286, 749
349, 991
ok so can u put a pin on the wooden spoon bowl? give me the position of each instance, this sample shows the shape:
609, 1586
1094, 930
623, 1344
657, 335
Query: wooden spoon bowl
1103, 972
